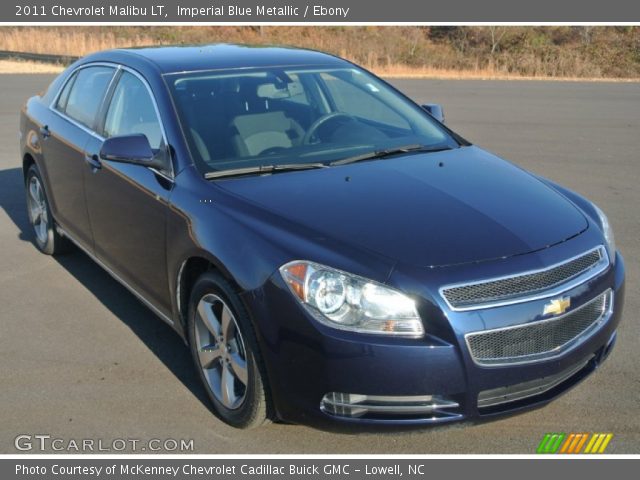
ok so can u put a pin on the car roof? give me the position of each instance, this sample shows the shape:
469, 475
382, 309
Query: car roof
172, 59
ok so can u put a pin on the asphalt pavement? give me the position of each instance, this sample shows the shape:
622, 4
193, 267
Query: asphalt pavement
81, 358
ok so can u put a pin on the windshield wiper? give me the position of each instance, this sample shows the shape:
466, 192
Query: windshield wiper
263, 169
290, 167
389, 151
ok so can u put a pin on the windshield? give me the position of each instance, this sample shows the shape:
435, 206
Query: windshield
282, 116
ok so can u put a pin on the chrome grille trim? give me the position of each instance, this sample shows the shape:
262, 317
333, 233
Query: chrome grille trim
532, 388
526, 286
427, 407
541, 340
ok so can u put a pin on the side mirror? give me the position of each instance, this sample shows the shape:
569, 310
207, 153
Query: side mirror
133, 149
435, 111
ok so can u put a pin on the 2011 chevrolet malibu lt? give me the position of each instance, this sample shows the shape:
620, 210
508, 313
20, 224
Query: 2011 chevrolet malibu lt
327, 248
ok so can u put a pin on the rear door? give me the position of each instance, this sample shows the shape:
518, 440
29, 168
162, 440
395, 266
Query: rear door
72, 125
128, 204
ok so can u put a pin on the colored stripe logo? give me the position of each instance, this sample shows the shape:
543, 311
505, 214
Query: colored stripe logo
574, 443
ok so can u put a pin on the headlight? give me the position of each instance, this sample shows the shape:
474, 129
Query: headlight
348, 302
608, 233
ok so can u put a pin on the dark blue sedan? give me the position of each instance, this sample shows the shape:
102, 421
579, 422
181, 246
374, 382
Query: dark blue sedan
327, 248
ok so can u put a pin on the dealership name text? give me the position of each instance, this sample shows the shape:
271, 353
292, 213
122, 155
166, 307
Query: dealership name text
209, 470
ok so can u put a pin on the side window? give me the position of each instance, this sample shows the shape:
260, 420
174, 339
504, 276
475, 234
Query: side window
132, 111
352, 100
61, 104
83, 100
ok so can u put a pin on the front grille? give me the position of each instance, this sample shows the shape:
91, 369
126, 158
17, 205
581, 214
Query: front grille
532, 388
507, 289
538, 340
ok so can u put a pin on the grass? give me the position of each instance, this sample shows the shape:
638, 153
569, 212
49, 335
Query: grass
66, 40
567, 53
394, 71
403, 71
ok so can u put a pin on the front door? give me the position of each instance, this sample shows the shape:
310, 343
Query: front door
128, 204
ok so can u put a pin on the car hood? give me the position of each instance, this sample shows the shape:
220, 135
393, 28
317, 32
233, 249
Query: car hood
427, 209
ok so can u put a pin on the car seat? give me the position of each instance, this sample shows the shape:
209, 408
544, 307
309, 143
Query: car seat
257, 128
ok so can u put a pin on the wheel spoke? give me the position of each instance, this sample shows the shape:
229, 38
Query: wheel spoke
209, 320
227, 387
228, 324
209, 356
238, 366
40, 195
42, 230
33, 191
36, 213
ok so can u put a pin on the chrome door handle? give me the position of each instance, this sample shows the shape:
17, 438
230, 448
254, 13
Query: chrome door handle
93, 161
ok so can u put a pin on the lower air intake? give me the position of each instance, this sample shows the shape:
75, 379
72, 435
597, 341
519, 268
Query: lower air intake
378, 407
521, 391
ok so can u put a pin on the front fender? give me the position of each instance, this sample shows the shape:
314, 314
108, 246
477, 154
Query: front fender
244, 242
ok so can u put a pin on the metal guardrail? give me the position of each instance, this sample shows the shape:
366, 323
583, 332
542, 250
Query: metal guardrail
38, 57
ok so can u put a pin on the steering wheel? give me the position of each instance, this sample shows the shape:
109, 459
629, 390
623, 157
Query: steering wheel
320, 122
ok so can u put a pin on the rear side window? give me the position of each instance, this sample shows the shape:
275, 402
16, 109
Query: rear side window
132, 111
82, 95
64, 96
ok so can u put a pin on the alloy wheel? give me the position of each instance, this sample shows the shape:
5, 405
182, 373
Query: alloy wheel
38, 209
221, 351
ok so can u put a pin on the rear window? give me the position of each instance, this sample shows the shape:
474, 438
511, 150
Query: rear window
82, 95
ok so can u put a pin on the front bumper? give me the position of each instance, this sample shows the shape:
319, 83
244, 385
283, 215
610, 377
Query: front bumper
306, 361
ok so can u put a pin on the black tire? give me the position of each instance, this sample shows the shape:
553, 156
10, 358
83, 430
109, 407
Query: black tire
47, 239
253, 409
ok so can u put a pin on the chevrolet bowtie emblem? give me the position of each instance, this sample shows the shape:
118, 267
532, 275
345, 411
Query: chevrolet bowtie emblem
557, 306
